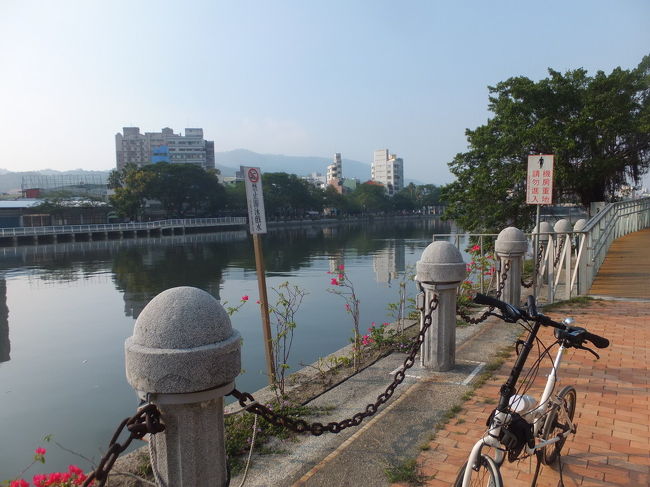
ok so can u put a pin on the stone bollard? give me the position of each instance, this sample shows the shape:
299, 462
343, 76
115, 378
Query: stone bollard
440, 270
183, 357
563, 231
510, 246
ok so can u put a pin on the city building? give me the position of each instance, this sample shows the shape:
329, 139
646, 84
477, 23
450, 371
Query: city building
335, 170
388, 169
165, 146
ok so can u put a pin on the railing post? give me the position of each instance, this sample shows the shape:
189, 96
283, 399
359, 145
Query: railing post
563, 230
582, 260
183, 357
510, 246
440, 270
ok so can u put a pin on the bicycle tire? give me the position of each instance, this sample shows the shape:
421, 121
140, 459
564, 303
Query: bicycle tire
487, 468
552, 427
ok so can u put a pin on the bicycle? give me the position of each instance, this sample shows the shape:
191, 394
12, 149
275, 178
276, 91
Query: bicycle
520, 426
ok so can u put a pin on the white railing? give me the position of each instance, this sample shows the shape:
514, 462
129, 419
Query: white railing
614, 221
570, 261
120, 227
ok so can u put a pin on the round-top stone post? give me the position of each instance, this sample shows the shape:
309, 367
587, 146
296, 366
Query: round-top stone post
440, 270
510, 246
563, 230
183, 357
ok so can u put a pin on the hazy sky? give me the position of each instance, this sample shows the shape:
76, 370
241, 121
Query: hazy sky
288, 77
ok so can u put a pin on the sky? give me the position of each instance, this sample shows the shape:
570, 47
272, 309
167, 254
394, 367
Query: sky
300, 77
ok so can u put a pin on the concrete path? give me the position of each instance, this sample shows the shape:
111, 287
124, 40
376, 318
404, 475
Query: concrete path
612, 444
358, 456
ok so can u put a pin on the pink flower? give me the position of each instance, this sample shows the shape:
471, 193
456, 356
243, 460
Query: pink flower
341, 267
341, 277
40, 451
347, 307
476, 248
75, 470
19, 483
468, 267
257, 302
334, 282
244, 298
39, 480
384, 324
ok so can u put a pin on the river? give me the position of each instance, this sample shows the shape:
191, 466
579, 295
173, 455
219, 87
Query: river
66, 309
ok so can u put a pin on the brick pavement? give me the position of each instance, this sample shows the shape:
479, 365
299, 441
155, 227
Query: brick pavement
612, 443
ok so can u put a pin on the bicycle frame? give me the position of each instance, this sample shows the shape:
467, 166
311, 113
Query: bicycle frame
535, 415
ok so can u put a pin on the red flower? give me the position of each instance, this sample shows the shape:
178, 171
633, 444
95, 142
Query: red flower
341, 267
244, 298
334, 282
476, 248
19, 483
40, 451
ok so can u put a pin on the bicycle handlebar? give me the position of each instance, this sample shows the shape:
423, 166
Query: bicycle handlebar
513, 313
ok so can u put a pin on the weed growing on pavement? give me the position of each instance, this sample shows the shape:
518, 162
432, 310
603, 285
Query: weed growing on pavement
405, 471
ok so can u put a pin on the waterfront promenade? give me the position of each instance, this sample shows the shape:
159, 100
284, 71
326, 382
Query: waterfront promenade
612, 443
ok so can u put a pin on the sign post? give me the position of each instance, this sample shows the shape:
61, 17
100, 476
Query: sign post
539, 191
257, 221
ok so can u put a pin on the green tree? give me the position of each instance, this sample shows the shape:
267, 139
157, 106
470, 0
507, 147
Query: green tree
185, 189
288, 195
596, 126
131, 186
370, 197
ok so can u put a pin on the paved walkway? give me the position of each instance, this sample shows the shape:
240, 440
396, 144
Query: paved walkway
612, 444
625, 273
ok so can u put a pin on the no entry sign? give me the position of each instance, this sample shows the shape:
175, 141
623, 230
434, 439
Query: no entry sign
256, 215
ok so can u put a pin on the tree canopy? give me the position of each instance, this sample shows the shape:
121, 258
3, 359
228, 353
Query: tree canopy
598, 128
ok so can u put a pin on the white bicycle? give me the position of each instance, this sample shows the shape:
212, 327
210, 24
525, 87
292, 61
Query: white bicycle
521, 426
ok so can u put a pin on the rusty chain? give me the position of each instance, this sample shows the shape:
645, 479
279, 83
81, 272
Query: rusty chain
559, 252
145, 420
540, 254
248, 402
483, 317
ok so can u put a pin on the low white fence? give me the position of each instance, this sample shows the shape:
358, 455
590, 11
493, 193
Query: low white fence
120, 227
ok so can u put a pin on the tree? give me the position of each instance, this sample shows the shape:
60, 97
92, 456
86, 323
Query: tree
370, 197
185, 189
288, 195
131, 186
596, 126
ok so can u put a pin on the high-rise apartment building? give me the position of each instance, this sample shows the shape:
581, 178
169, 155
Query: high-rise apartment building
165, 146
335, 169
388, 169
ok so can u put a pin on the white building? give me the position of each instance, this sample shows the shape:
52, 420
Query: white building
164, 146
335, 170
388, 169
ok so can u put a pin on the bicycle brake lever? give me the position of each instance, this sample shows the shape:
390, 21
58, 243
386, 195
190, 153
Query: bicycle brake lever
582, 347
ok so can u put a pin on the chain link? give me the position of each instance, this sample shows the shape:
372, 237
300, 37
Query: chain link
248, 402
540, 254
559, 252
145, 420
484, 316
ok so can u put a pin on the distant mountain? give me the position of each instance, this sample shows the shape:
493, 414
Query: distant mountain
229, 162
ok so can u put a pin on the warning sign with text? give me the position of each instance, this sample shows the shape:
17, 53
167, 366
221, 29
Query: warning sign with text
255, 199
539, 181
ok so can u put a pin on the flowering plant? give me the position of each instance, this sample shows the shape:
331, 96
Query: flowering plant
481, 267
379, 337
231, 310
74, 475
345, 289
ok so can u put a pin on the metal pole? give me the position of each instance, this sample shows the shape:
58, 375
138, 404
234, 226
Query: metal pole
264, 307
535, 252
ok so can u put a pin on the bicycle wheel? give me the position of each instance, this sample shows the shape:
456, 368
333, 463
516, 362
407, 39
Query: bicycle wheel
488, 474
558, 421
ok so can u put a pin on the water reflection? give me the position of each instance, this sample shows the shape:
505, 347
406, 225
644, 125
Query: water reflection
5, 345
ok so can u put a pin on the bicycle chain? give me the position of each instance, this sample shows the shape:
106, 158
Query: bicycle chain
145, 420
248, 402
484, 316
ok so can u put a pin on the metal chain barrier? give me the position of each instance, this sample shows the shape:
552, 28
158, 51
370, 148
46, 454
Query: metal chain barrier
484, 316
540, 254
559, 252
146, 420
248, 402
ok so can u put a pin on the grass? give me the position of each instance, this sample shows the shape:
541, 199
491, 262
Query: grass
405, 471
575, 302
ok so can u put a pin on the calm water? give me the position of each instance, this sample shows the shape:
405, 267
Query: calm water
66, 309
